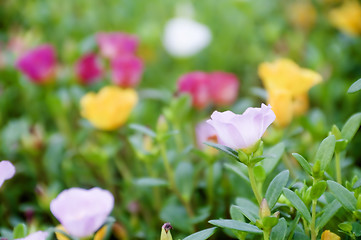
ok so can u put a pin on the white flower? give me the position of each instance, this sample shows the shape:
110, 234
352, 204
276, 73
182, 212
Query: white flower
185, 37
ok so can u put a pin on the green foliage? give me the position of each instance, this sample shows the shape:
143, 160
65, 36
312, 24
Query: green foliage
202, 235
355, 87
344, 196
275, 188
297, 203
236, 225
325, 151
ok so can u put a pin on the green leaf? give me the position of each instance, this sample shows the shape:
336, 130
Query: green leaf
355, 87
20, 231
143, 129
236, 169
150, 182
356, 229
351, 126
325, 151
357, 184
202, 235
274, 155
184, 176
275, 188
329, 211
344, 196
318, 189
236, 225
279, 231
303, 162
229, 151
297, 203
236, 213
248, 208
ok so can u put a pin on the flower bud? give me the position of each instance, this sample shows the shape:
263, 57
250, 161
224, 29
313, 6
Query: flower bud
38, 64
88, 69
166, 235
264, 210
327, 235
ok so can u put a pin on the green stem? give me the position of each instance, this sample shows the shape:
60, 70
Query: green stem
338, 167
210, 184
313, 221
172, 183
266, 235
254, 184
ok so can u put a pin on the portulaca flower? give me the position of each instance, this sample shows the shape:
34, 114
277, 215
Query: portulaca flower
81, 211
185, 37
39, 235
242, 131
7, 171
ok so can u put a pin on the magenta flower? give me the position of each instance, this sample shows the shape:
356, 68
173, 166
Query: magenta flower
81, 211
205, 133
38, 64
223, 88
126, 71
88, 69
116, 44
196, 84
7, 171
39, 235
242, 131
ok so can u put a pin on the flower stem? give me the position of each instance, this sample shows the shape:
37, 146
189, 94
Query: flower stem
313, 221
172, 183
266, 235
254, 184
210, 182
338, 167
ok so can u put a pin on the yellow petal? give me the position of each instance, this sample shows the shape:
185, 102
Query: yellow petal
347, 18
302, 14
100, 235
60, 236
327, 235
110, 108
284, 74
281, 102
300, 104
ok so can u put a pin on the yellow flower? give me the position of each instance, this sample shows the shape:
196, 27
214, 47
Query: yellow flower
302, 14
60, 236
110, 108
327, 235
347, 17
287, 85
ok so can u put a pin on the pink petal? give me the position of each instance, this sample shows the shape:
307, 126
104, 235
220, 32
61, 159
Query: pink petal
7, 171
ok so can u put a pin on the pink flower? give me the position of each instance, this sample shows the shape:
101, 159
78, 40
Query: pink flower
116, 43
38, 64
39, 235
205, 133
81, 211
196, 84
242, 131
7, 171
126, 71
223, 88
88, 69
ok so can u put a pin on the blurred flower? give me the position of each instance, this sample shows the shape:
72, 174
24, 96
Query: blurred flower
223, 88
7, 171
38, 64
327, 235
116, 44
39, 235
110, 108
88, 68
165, 234
242, 131
302, 14
126, 70
287, 85
196, 84
185, 37
347, 18
205, 133
82, 211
